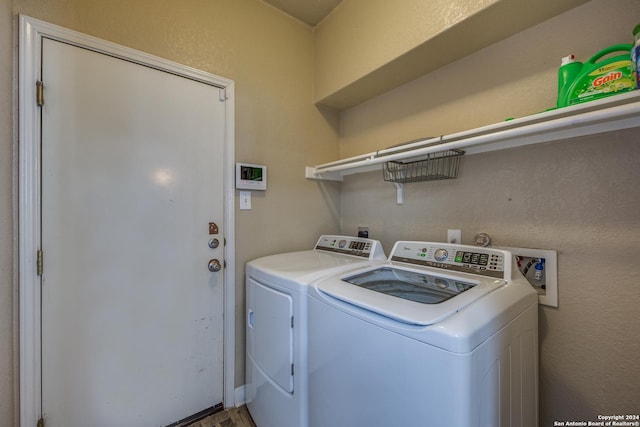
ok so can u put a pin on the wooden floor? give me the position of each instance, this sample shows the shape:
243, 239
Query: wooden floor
233, 417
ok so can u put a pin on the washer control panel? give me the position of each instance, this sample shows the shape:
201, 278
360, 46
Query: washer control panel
469, 259
356, 246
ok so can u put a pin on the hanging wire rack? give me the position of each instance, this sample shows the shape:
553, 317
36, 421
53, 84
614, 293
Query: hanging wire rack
437, 166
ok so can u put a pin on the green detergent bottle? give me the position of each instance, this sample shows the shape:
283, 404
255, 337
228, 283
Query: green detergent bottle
635, 56
578, 82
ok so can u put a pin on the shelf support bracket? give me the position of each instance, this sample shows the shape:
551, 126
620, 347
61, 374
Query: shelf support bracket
399, 193
312, 173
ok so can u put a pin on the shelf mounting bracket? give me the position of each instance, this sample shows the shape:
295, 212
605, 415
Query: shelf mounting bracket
399, 193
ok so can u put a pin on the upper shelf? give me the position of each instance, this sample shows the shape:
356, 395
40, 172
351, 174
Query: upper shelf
366, 48
604, 115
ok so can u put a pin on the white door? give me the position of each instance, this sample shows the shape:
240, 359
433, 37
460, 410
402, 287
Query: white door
132, 175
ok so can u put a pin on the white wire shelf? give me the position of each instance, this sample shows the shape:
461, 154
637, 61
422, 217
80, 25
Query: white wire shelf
604, 115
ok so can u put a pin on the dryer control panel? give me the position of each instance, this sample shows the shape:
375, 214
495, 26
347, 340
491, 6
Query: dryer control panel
468, 259
356, 246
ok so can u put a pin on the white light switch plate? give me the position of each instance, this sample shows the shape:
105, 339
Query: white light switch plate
245, 200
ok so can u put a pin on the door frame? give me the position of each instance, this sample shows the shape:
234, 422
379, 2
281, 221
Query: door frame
32, 31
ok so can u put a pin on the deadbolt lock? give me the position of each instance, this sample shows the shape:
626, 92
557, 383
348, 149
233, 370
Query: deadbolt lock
214, 243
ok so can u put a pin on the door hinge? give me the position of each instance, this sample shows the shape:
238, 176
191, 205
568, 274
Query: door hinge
40, 93
222, 94
40, 422
292, 321
292, 369
39, 262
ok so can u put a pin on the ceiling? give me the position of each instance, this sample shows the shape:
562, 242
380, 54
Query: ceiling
311, 12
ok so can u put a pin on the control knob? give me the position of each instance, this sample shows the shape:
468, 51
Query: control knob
441, 254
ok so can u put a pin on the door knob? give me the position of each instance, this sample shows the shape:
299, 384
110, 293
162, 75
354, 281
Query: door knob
214, 265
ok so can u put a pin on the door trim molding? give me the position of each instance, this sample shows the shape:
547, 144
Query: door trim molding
32, 31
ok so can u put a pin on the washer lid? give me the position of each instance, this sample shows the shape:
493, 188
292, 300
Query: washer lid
411, 296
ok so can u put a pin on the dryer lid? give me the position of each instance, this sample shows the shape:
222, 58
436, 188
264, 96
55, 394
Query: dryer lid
411, 296
302, 267
331, 255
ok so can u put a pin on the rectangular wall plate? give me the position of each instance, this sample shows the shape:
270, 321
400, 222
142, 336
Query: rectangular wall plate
454, 237
363, 232
546, 281
245, 200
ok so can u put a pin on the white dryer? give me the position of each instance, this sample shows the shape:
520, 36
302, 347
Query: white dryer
441, 335
276, 333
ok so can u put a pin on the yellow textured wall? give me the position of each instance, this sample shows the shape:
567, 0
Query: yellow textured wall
362, 35
269, 56
579, 196
7, 375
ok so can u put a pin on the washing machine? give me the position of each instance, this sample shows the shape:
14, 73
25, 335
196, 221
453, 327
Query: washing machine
276, 332
440, 335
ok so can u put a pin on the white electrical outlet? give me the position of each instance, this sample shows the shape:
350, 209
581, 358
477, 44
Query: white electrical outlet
454, 236
363, 232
